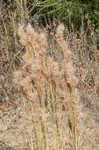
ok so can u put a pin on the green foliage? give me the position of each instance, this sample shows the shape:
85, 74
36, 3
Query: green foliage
74, 13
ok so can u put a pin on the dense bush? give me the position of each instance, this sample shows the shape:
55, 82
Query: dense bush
74, 13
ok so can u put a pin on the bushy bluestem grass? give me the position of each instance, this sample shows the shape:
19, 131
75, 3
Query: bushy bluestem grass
50, 94
49, 86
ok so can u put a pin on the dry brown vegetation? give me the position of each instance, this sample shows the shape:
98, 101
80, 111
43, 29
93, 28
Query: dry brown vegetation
49, 84
49, 96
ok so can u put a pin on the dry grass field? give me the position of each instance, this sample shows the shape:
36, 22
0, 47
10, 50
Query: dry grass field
49, 89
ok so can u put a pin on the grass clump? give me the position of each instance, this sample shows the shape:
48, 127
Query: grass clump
49, 86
